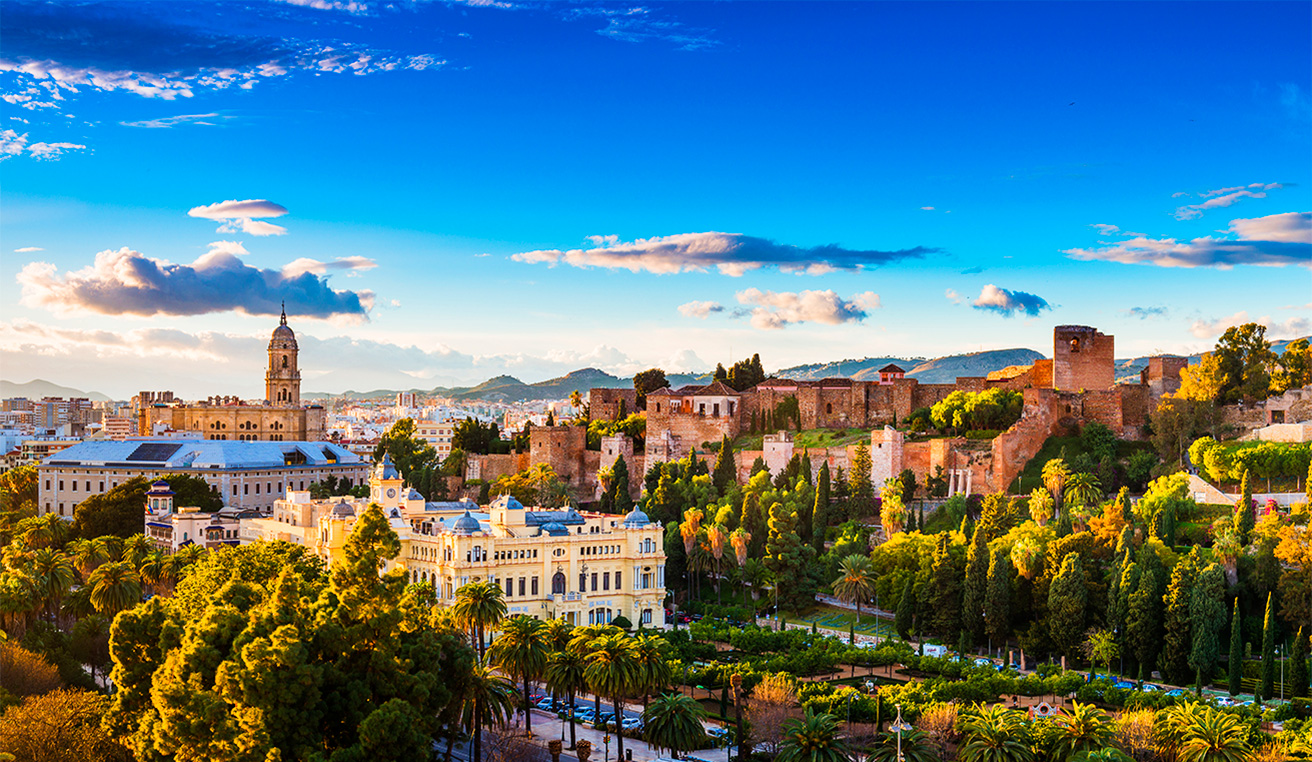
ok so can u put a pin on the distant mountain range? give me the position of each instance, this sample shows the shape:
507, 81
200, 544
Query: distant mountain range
38, 388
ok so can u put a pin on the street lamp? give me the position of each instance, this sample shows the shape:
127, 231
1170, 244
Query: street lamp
606, 741
899, 727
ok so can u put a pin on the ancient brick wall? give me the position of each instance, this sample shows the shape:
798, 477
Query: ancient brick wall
1082, 358
972, 384
489, 468
612, 404
885, 454
927, 394
1101, 406
562, 448
1041, 373
1162, 376
917, 457
1137, 403
1013, 448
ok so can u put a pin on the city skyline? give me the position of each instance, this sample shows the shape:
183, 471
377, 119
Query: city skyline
445, 192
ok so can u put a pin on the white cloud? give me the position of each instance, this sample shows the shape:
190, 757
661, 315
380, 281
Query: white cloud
1275, 241
49, 151
926, 208
731, 254
14, 144
1295, 326
172, 121
701, 310
954, 297
241, 216
1007, 302
774, 310
126, 282
330, 5
1292, 227
1105, 229
27, 249
306, 265
1223, 197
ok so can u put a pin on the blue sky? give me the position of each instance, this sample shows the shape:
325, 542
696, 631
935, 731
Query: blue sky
447, 191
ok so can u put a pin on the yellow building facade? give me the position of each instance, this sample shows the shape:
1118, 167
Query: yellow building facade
586, 568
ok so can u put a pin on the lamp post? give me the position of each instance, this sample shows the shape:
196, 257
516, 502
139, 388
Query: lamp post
605, 740
899, 727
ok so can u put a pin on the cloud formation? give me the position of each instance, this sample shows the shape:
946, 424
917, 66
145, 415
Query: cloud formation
1275, 241
27, 249
166, 122
13, 144
242, 216
775, 310
126, 282
1295, 326
1143, 313
306, 265
1007, 302
730, 253
700, 310
1223, 197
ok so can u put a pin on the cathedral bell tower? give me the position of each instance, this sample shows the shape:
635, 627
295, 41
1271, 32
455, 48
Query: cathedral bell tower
282, 382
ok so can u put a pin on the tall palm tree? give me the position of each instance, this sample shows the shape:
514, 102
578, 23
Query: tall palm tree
54, 575
689, 530
489, 700
995, 734
654, 670
159, 570
856, 582
716, 537
87, 555
613, 671
478, 608
115, 586
674, 722
1054, 476
581, 643
565, 675
740, 539
136, 548
521, 651
1083, 728
813, 738
915, 748
756, 575
1083, 493
558, 633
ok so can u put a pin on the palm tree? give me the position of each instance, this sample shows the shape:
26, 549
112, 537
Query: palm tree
188, 557
995, 734
1215, 736
478, 608
565, 675
558, 633
87, 555
489, 700
613, 670
915, 748
581, 642
755, 574
521, 650
54, 575
1083, 728
813, 738
1108, 754
654, 670
1027, 556
716, 538
1083, 492
115, 586
856, 582
136, 548
674, 722
159, 570
688, 530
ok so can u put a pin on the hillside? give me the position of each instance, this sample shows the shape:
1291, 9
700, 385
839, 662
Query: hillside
945, 370
38, 388
846, 368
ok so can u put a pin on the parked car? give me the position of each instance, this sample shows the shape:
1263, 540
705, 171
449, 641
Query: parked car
982, 662
546, 705
1150, 688
1124, 685
1225, 701
1175, 692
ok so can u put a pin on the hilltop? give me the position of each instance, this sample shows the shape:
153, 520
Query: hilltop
38, 388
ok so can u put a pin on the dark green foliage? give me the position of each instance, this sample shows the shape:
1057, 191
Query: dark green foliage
1098, 440
1298, 671
647, 382
724, 474
904, 617
1244, 518
945, 591
1207, 610
820, 511
118, 512
744, 374
1178, 643
1244, 354
975, 586
1235, 673
1067, 604
997, 598
908, 480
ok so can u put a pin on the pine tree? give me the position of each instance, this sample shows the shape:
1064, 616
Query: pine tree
976, 585
906, 609
1067, 603
1207, 610
820, 511
911, 526
1064, 526
945, 591
1236, 665
621, 501
1269, 649
1298, 685
1178, 643
724, 473
997, 598
788, 558
862, 500
1244, 519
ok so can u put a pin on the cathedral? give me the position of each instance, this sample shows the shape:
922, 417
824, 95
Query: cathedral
279, 417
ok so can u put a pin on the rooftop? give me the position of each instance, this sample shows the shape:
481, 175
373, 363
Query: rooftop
201, 453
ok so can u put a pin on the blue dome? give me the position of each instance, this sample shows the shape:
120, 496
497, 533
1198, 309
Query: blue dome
386, 469
555, 529
636, 518
508, 502
466, 524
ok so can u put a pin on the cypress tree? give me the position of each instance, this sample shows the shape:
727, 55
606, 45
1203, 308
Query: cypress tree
1244, 519
820, 511
1298, 685
621, 501
724, 473
758, 466
997, 598
1167, 520
1064, 526
1178, 644
906, 609
1236, 666
976, 585
1068, 600
945, 591
1269, 649
1144, 617
911, 522
862, 492
1207, 609
1123, 505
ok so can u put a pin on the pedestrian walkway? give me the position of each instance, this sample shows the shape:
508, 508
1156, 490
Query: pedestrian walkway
547, 726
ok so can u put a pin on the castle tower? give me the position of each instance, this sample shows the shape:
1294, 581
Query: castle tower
282, 382
1082, 359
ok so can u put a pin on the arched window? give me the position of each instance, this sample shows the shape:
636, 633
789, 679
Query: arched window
829, 408
558, 584
284, 361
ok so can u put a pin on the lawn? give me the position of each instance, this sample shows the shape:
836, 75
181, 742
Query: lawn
810, 439
841, 619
